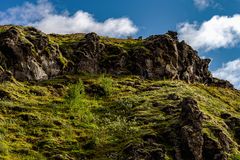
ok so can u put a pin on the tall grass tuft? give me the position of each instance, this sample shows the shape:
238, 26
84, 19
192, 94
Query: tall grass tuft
77, 103
106, 83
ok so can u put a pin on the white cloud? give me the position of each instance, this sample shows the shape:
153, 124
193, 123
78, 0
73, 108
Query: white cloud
43, 16
84, 22
218, 32
202, 4
230, 71
27, 13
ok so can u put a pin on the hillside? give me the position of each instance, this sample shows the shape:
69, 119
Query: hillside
83, 96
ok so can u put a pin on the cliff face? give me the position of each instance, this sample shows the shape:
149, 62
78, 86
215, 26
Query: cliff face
32, 55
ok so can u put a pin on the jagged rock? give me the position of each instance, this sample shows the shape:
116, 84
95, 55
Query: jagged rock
212, 149
234, 124
173, 35
160, 56
114, 60
30, 55
190, 141
190, 114
89, 51
220, 83
190, 131
224, 141
176, 60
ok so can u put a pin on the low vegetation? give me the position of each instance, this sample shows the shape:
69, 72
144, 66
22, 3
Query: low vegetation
100, 117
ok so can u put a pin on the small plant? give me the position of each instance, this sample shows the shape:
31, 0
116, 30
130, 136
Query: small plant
76, 96
76, 91
106, 83
78, 105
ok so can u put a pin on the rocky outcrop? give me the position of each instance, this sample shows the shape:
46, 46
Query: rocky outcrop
28, 54
190, 130
219, 83
159, 56
85, 54
32, 55
189, 140
234, 124
176, 60
187, 137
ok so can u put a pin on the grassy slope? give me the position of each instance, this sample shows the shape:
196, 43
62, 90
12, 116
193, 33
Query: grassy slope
52, 118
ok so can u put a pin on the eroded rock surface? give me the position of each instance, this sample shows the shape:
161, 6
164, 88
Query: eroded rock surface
32, 55
28, 54
191, 142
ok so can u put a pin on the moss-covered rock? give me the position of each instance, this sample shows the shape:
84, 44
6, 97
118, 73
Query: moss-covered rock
32, 55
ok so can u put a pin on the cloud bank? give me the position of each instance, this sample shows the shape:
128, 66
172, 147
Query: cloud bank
43, 16
230, 71
218, 32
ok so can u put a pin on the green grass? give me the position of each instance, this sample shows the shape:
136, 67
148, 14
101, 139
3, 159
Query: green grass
67, 38
59, 118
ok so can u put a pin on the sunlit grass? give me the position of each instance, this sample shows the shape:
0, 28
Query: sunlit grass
59, 118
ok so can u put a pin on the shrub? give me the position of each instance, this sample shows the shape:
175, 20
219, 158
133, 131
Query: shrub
76, 91
77, 104
106, 83
76, 95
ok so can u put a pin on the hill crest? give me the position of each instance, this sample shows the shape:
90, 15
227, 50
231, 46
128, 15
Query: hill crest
29, 54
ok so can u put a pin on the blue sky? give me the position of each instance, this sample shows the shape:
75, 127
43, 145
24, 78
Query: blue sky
211, 26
